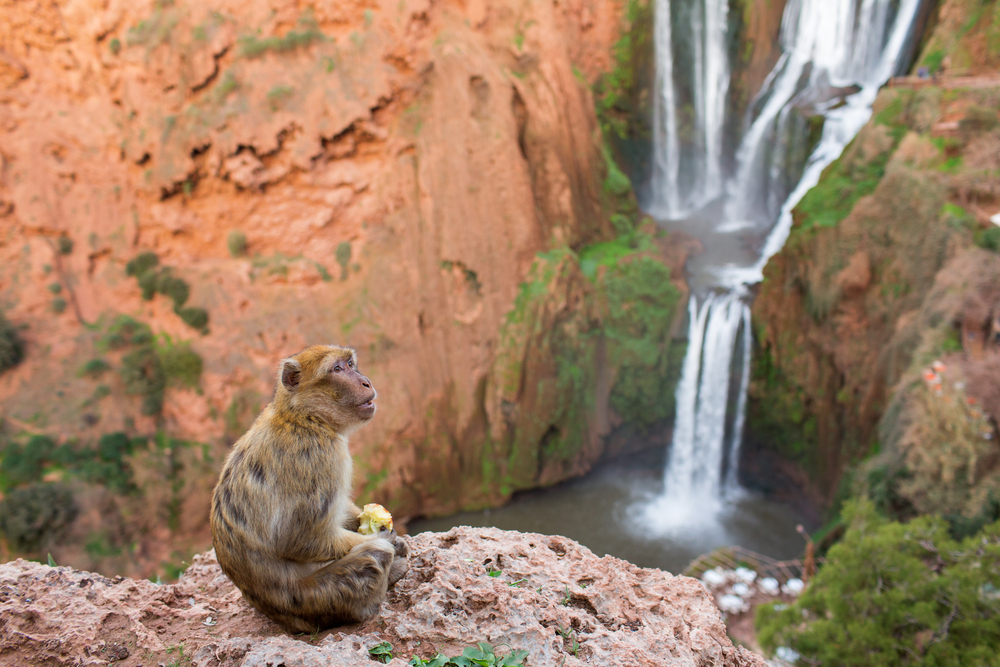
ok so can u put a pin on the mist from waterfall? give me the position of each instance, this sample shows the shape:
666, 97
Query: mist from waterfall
836, 55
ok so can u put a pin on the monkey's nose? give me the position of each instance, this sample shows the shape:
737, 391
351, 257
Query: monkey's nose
366, 382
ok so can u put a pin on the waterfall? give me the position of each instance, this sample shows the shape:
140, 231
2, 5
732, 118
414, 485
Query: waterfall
690, 107
836, 55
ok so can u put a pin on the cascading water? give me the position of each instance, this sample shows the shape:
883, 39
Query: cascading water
690, 107
837, 54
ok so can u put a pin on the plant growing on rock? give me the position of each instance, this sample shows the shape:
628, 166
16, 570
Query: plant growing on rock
11, 347
895, 594
36, 515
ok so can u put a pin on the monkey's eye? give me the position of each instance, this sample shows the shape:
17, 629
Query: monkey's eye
339, 368
351, 363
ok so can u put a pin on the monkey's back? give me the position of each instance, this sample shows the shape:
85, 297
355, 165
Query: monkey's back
276, 503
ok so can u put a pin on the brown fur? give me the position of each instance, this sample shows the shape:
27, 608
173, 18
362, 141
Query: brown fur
282, 519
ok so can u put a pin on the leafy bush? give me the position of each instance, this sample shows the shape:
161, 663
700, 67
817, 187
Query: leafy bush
252, 47
94, 368
142, 264
196, 318
181, 364
143, 375
343, 256
895, 594
58, 305
24, 464
237, 242
36, 515
11, 347
65, 245
989, 239
170, 286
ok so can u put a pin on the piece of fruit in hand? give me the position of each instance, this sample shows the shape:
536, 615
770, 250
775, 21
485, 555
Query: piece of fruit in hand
374, 518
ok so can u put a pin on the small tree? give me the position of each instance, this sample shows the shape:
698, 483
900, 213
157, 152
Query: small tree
11, 347
895, 594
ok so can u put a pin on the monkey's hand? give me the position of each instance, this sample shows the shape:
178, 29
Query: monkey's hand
353, 521
397, 541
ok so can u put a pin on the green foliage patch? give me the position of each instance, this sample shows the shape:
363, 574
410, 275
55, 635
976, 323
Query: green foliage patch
35, 516
894, 594
11, 346
237, 243
154, 281
307, 33
481, 655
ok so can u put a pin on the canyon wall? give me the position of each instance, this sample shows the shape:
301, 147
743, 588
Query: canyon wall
191, 191
876, 334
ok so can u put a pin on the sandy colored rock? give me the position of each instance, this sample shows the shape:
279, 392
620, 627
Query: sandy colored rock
545, 592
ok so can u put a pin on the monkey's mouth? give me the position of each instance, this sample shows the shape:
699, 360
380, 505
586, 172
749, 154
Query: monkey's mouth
367, 408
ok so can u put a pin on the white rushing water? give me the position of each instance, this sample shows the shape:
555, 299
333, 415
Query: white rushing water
689, 110
836, 55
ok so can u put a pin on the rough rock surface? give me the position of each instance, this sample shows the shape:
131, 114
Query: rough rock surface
545, 593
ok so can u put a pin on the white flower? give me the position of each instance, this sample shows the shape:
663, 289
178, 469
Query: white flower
769, 585
732, 604
786, 654
746, 575
741, 589
793, 587
714, 578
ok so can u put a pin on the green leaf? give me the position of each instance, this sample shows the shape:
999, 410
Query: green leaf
52, 562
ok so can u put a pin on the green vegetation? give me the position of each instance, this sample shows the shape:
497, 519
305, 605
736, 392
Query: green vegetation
55, 288
307, 33
237, 243
482, 655
989, 239
94, 369
277, 96
895, 594
35, 516
343, 256
65, 245
115, 46
58, 305
152, 281
150, 364
381, 652
181, 364
621, 106
11, 346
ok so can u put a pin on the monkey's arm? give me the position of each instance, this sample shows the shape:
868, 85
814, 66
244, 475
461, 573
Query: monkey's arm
351, 521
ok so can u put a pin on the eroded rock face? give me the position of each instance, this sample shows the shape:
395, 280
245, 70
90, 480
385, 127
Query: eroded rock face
545, 593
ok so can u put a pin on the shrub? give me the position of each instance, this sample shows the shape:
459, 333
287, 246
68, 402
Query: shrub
175, 288
237, 242
36, 515
55, 288
142, 264
143, 375
895, 594
94, 368
24, 464
343, 255
11, 347
65, 245
989, 239
196, 318
58, 305
181, 364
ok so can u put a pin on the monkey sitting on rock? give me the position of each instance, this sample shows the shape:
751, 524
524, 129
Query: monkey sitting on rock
283, 522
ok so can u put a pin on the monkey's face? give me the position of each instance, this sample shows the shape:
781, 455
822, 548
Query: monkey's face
325, 380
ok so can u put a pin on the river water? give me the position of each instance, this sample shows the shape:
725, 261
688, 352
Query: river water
836, 55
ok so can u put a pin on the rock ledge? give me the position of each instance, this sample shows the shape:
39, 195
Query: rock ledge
543, 592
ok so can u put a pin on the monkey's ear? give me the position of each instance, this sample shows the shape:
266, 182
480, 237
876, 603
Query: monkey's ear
291, 373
